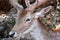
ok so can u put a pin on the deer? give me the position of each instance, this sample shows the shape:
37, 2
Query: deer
27, 20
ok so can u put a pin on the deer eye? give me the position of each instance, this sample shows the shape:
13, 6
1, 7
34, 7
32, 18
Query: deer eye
27, 19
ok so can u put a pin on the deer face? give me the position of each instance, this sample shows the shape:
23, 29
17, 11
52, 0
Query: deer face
26, 18
23, 23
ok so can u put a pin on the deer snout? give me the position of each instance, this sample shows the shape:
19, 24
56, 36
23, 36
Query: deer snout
13, 34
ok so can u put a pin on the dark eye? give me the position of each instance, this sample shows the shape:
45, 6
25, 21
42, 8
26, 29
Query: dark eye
28, 20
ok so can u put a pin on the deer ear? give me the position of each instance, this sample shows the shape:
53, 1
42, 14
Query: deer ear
47, 9
43, 11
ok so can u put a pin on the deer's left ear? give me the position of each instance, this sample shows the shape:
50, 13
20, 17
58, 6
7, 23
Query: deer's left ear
43, 11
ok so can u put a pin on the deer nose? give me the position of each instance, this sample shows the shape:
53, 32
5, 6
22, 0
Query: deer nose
13, 34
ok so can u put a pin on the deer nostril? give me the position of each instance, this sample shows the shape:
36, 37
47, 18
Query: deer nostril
13, 34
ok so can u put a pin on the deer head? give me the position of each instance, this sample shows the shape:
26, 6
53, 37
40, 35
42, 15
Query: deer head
27, 20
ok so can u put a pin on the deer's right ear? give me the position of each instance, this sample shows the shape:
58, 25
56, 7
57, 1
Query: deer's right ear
43, 11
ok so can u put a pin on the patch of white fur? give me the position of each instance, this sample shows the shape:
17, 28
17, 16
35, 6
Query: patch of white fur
37, 14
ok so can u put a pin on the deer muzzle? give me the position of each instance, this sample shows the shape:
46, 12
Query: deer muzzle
13, 34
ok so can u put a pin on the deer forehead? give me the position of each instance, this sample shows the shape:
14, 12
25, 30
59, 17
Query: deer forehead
27, 16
